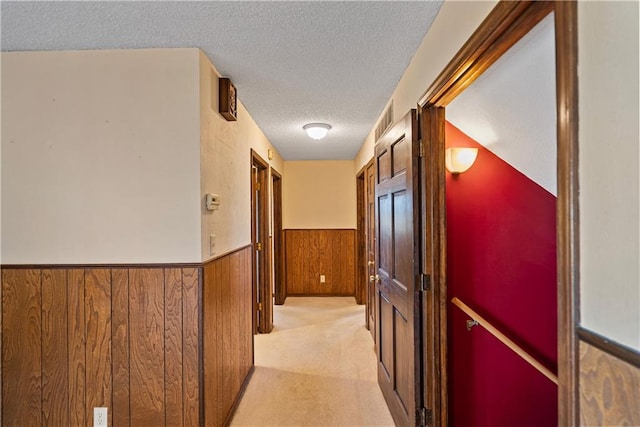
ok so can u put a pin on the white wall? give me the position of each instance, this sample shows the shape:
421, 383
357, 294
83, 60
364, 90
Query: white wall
455, 23
226, 166
511, 107
100, 157
608, 135
319, 194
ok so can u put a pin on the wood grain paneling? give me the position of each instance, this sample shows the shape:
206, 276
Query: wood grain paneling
191, 357
124, 338
228, 332
55, 366
609, 389
173, 346
97, 307
328, 252
146, 321
77, 348
121, 411
21, 348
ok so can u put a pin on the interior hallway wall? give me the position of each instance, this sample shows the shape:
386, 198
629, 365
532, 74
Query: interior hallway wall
501, 261
107, 156
609, 170
319, 194
225, 166
100, 157
319, 218
609, 128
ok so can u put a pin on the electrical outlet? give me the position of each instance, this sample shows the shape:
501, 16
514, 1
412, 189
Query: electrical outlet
322, 278
100, 417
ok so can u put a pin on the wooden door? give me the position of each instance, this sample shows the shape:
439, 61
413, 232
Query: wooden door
399, 348
370, 221
262, 292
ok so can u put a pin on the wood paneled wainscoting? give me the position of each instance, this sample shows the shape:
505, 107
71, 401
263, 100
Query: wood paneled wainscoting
609, 382
310, 253
228, 333
156, 345
77, 338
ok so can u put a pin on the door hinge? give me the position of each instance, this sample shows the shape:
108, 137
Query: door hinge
425, 282
424, 417
420, 148
258, 186
258, 246
259, 306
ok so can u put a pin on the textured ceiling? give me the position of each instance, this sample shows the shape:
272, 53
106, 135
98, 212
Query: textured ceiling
292, 62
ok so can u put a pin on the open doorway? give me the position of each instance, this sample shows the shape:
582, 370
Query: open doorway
503, 28
501, 240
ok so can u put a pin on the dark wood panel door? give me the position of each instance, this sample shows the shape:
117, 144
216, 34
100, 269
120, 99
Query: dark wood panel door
263, 293
370, 220
398, 298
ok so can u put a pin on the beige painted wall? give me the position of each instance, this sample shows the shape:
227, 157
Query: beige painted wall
455, 22
100, 157
609, 163
319, 194
225, 167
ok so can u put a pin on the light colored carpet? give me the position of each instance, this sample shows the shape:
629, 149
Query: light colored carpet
317, 368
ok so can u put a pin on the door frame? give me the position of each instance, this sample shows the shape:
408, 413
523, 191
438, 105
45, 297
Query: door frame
261, 283
507, 23
280, 292
361, 240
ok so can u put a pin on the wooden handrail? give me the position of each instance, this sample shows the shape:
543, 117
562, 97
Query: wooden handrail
505, 340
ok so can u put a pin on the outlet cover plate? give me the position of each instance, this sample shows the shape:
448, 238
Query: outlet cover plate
100, 417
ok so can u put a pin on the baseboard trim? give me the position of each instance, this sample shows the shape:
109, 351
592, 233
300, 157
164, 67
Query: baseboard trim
611, 347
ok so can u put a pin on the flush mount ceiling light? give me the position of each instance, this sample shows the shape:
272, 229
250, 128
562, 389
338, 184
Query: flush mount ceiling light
459, 159
316, 130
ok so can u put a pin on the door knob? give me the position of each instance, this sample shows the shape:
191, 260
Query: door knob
372, 278
377, 278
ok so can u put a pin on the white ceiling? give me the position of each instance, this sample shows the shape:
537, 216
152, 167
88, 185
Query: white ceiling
292, 62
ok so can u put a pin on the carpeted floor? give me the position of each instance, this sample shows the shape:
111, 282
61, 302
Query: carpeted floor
317, 368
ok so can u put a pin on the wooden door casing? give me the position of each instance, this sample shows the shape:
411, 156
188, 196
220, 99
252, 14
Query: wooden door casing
370, 220
278, 237
262, 292
398, 309
362, 271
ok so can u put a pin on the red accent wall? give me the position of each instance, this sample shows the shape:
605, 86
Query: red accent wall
501, 254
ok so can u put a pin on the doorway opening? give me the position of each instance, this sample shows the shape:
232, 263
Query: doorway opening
504, 26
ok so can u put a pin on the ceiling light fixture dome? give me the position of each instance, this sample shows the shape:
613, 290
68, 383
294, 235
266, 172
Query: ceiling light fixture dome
317, 130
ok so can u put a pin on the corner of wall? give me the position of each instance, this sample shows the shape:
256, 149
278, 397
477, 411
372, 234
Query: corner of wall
225, 166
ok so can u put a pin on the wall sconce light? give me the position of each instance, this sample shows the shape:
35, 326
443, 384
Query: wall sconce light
459, 159
316, 130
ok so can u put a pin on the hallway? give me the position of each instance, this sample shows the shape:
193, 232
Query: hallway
317, 368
